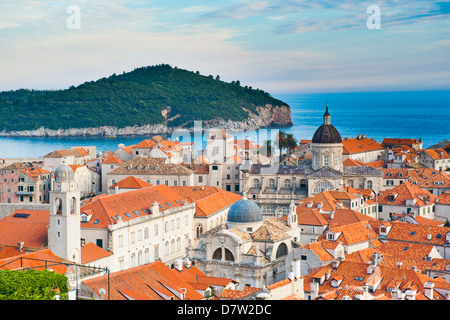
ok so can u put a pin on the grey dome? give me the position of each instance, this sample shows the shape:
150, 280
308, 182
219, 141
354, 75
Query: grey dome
63, 173
326, 133
244, 211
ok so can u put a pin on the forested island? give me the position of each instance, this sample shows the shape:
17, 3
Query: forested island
161, 95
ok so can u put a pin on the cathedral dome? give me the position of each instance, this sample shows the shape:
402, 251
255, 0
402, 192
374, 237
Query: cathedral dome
326, 133
63, 173
244, 211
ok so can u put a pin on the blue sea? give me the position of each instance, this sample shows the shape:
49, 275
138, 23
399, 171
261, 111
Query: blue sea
378, 115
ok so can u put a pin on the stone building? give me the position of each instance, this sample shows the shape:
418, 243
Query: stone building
248, 248
274, 187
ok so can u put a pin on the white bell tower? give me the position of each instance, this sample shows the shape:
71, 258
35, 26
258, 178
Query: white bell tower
64, 234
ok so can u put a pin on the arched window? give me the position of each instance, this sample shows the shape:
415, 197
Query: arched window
139, 261
133, 260
199, 230
228, 255
58, 205
178, 244
147, 256
217, 255
282, 250
369, 184
166, 247
73, 205
323, 186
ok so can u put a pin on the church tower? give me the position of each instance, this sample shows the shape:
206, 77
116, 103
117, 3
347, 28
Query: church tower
326, 146
64, 234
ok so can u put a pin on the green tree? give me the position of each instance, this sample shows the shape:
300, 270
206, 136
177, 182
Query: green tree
32, 285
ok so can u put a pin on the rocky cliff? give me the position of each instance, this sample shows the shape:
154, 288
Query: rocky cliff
266, 117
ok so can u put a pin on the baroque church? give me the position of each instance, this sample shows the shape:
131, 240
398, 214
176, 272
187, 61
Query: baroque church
273, 187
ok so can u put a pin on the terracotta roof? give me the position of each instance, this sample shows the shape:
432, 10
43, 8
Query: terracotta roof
91, 252
144, 166
352, 163
29, 226
355, 274
131, 182
154, 281
128, 205
352, 233
406, 191
418, 233
444, 198
324, 199
76, 152
272, 229
208, 200
437, 154
310, 216
320, 249
34, 172
400, 141
34, 260
111, 159
145, 144
350, 146
238, 294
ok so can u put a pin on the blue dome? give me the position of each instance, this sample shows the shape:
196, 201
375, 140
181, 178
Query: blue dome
244, 211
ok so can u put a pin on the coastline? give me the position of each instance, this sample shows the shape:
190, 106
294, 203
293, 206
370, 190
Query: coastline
267, 117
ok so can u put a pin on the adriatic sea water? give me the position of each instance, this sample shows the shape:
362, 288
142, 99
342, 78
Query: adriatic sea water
378, 115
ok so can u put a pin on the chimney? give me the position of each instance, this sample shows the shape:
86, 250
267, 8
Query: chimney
116, 189
429, 290
296, 268
178, 264
155, 209
429, 237
20, 246
399, 264
332, 215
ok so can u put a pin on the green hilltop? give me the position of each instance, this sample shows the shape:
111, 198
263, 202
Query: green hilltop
133, 98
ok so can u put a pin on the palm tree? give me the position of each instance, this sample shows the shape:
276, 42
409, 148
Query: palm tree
291, 142
266, 148
281, 142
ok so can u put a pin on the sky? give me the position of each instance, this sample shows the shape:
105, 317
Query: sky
280, 46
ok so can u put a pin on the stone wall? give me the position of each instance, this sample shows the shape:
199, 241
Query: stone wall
8, 208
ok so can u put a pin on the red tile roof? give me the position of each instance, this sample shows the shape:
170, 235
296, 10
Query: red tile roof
34, 260
91, 252
154, 281
355, 145
131, 182
406, 191
208, 200
29, 226
108, 209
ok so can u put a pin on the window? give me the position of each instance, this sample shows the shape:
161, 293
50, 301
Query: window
133, 240
326, 160
271, 183
184, 183
287, 183
255, 183
236, 187
146, 233
323, 186
99, 243
282, 250
120, 241
369, 184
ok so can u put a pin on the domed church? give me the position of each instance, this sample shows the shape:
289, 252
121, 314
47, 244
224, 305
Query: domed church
247, 248
273, 187
327, 146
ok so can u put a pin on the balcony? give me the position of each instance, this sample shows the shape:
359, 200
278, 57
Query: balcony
25, 193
